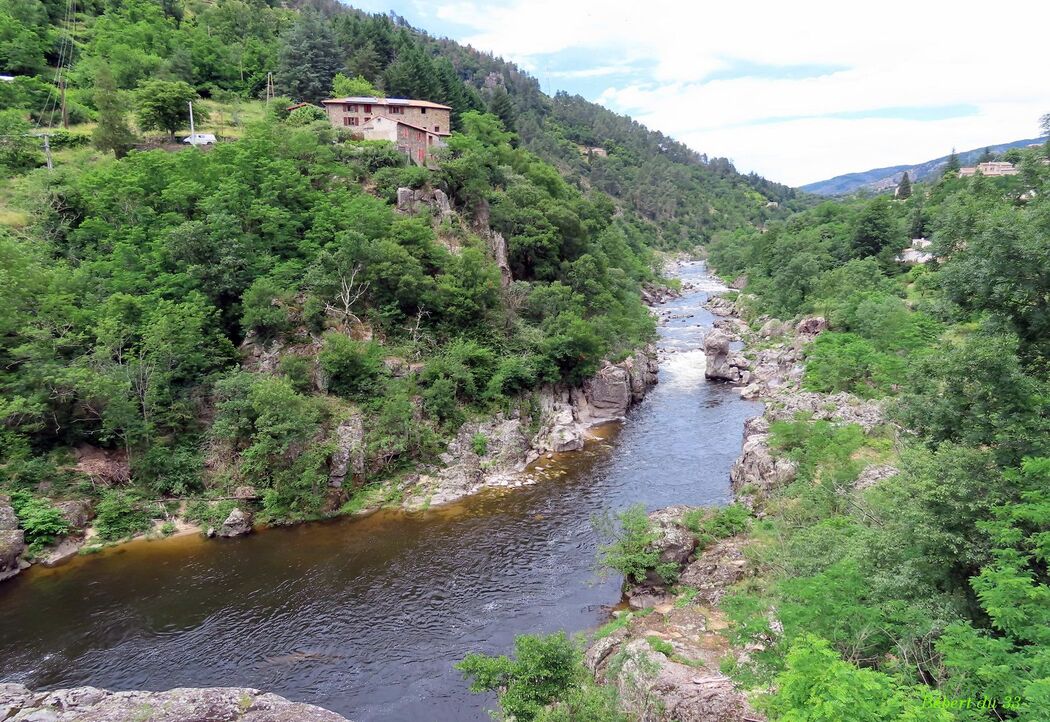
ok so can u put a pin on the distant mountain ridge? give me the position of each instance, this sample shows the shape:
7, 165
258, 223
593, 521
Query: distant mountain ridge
879, 179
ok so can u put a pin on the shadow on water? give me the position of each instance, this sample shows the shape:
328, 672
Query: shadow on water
366, 616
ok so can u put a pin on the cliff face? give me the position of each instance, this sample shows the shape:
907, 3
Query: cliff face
214, 704
565, 417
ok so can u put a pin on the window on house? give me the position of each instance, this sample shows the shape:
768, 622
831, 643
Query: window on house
423, 111
353, 121
366, 119
437, 128
351, 108
396, 110
368, 108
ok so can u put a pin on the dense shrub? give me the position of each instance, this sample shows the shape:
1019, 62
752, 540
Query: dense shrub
41, 521
121, 514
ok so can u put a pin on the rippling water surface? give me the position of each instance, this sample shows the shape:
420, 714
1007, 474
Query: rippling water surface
366, 617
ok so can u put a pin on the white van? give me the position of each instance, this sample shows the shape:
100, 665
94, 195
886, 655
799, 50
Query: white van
200, 139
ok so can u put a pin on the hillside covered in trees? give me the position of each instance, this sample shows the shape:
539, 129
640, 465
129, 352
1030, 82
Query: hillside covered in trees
226, 50
896, 555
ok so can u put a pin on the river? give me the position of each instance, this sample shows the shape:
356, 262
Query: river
365, 617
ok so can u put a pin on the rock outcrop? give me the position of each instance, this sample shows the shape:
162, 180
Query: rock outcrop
811, 326
489, 453
412, 200
12, 542
565, 415
665, 663
238, 523
348, 459
77, 512
757, 471
209, 704
498, 246
722, 363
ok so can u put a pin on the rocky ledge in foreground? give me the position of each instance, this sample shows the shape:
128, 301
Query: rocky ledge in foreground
209, 704
664, 657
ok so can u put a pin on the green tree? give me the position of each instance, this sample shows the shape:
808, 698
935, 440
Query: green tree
953, 164
18, 148
904, 187
358, 86
502, 107
875, 229
308, 59
112, 132
164, 105
817, 686
543, 670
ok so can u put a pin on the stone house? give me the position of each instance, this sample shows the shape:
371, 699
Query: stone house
992, 168
417, 143
356, 111
415, 126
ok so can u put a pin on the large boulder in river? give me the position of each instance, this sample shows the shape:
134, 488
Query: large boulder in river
214, 704
722, 363
238, 523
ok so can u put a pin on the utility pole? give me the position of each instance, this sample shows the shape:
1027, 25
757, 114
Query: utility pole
193, 133
47, 152
65, 111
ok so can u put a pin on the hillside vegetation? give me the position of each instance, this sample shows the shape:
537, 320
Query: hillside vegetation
918, 594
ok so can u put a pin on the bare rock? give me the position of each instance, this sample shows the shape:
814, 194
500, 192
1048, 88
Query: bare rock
739, 283
721, 363
655, 688
209, 704
772, 328
498, 245
245, 492
238, 523
412, 200
62, 552
8, 518
811, 326
348, 459
758, 468
718, 567
12, 544
77, 512
872, 475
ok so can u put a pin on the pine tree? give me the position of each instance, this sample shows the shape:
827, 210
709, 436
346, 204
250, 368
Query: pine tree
904, 187
953, 164
309, 59
112, 132
503, 108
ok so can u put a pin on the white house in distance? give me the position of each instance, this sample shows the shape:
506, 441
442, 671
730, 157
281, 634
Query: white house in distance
416, 127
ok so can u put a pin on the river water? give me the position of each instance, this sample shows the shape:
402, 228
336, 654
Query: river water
365, 617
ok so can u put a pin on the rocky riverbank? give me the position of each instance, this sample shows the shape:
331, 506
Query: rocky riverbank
494, 452
565, 417
208, 704
665, 652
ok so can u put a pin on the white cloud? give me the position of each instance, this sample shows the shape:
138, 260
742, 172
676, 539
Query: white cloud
893, 54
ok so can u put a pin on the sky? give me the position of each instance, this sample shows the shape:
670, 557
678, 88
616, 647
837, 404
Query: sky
796, 91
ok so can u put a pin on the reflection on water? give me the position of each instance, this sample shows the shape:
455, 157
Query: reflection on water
365, 617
